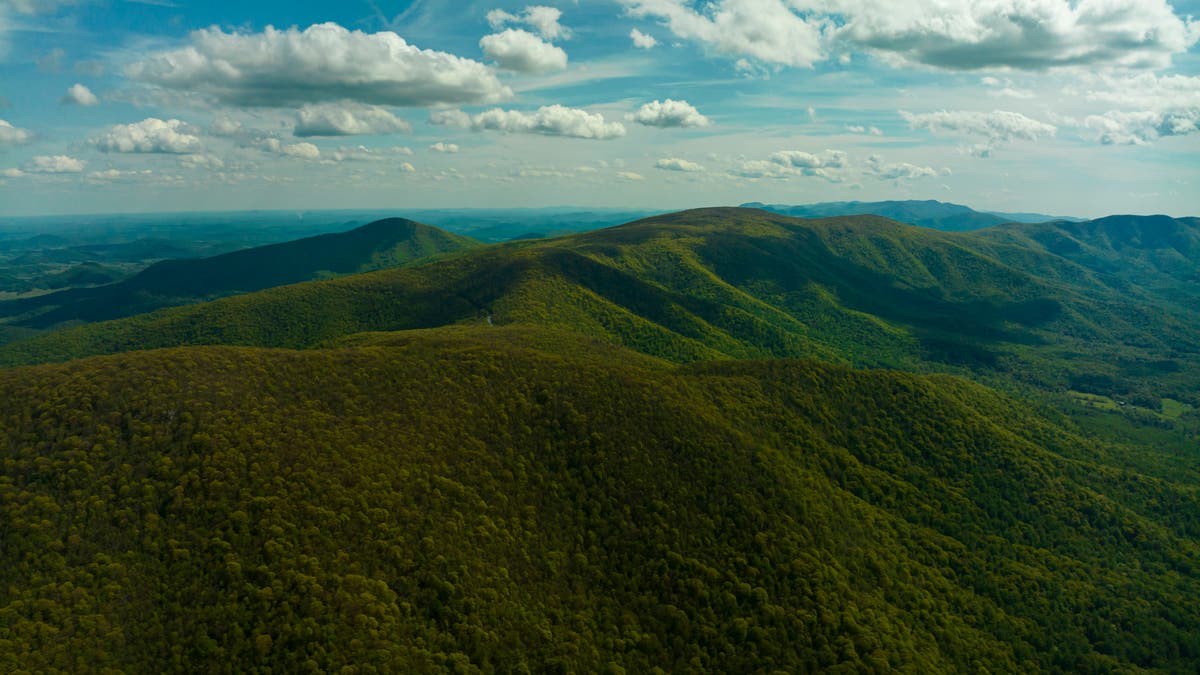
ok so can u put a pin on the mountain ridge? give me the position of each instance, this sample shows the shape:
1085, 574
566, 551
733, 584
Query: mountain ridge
924, 213
377, 245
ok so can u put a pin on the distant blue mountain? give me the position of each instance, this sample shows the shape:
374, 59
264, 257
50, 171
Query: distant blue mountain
929, 213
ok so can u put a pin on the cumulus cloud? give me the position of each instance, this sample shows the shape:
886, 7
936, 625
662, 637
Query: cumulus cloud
325, 62
1145, 91
300, 151
830, 159
10, 135
676, 164
552, 120
202, 161
448, 148
1155, 107
859, 129
641, 40
450, 118
758, 168
79, 95
54, 164
151, 135
274, 146
544, 20
829, 165
630, 175
362, 153
877, 167
1028, 35
347, 119
523, 52
767, 30
115, 175
1142, 127
954, 34
669, 113
996, 126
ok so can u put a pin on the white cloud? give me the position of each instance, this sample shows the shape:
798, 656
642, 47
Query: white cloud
798, 159
448, 148
1142, 127
225, 127
954, 34
300, 151
766, 30
630, 175
407, 168
450, 118
114, 175
362, 153
996, 126
523, 52
877, 167
1027, 35
1146, 91
669, 113
545, 21
641, 40
202, 161
539, 17
325, 62
552, 120
79, 95
151, 135
758, 168
676, 164
829, 165
10, 135
12, 173
859, 129
347, 119
54, 164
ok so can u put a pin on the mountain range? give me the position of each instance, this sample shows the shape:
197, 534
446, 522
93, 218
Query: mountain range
715, 440
926, 213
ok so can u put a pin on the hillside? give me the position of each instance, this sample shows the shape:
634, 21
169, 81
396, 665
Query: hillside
741, 283
382, 244
514, 499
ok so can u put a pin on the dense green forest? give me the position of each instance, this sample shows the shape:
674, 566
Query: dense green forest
515, 499
1048, 306
723, 440
383, 244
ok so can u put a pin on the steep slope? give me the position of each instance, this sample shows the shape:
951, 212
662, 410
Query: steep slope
461, 500
732, 283
381, 244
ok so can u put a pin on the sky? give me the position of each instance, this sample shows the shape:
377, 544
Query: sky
1079, 107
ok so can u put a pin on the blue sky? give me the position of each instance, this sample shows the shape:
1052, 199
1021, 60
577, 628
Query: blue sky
1085, 107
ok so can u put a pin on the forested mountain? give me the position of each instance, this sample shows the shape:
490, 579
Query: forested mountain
927, 213
742, 283
378, 245
634, 448
521, 499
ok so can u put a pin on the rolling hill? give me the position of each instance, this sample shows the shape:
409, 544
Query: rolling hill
381, 244
524, 499
743, 283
